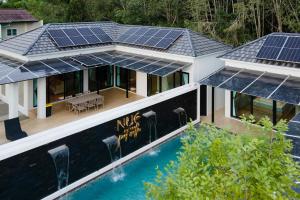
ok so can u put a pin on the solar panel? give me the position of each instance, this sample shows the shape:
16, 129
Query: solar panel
21, 74
60, 38
241, 80
78, 37
59, 65
88, 61
140, 64
71, 62
288, 92
219, 77
154, 67
101, 35
5, 80
265, 85
40, 69
271, 47
150, 37
168, 69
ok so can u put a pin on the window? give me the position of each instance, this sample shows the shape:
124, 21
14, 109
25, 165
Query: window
11, 32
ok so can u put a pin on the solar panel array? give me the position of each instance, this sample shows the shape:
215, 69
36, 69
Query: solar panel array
255, 83
150, 37
70, 37
293, 134
280, 48
13, 71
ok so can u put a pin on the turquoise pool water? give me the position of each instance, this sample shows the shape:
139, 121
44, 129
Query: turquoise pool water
128, 183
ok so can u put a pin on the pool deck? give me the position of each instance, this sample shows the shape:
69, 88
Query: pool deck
113, 97
231, 124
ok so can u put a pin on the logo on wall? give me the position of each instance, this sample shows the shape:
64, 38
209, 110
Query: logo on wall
129, 126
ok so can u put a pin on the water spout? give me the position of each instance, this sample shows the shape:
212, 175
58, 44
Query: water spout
182, 116
60, 157
152, 127
115, 152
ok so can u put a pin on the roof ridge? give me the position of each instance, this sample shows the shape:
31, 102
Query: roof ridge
37, 38
191, 43
75, 23
244, 45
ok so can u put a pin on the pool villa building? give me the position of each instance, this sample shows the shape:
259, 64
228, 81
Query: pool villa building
81, 99
71, 92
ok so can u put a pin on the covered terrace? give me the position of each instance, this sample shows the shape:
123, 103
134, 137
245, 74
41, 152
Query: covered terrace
118, 77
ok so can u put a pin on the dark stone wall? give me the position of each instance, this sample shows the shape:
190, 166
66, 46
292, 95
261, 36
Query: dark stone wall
31, 175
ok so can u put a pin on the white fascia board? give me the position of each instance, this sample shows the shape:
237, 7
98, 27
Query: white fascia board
275, 69
33, 141
13, 55
157, 54
70, 53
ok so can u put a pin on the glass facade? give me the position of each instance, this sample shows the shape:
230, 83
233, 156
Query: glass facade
158, 84
260, 107
121, 78
101, 78
60, 86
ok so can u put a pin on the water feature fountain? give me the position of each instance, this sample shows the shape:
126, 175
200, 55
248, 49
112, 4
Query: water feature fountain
60, 157
182, 116
115, 153
152, 127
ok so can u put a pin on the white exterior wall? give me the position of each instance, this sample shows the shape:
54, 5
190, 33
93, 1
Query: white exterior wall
203, 67
141, 84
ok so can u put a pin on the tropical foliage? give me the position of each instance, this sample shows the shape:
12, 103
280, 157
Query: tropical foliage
233, 21
214, 164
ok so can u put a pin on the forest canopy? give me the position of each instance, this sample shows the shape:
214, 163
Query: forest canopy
232, 21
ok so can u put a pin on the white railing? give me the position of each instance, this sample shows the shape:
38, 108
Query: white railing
53, 134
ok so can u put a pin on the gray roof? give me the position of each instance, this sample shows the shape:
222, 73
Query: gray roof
248, 52
38, 41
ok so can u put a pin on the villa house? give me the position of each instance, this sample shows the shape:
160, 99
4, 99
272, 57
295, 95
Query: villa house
261, 78
15, 22
78, 86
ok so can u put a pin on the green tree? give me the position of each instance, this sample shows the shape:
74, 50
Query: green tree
215, 164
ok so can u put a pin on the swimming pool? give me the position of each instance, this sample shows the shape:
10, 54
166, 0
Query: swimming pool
127, 183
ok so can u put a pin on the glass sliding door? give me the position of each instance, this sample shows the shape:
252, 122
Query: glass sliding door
158, 84
260, 107
168, 82
101, 78
55, 88
60, 86
285, 111
73, 83
153, 84
241, 104
121, 78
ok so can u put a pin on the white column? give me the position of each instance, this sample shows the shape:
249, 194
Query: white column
85, 80
227, 103
141, 84
198, 102
29, 100
41, 99
13, 100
